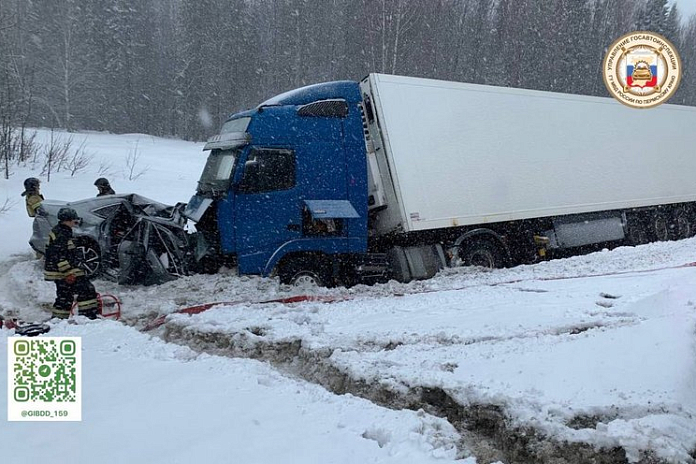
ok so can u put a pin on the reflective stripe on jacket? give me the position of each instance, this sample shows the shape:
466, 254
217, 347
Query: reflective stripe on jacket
33, 201
61, 256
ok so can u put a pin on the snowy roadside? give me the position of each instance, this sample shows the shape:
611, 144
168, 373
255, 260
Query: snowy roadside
148, 401
608, 361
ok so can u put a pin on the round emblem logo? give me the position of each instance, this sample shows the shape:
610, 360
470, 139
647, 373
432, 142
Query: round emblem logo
642, 69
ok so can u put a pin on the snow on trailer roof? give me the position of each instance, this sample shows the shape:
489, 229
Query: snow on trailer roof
437, 83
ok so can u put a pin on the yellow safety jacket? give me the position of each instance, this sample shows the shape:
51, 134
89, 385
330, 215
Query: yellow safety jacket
61, 256
33, 201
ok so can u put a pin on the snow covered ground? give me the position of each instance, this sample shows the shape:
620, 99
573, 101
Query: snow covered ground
597, 350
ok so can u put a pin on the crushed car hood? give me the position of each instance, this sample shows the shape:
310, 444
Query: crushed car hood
138, 240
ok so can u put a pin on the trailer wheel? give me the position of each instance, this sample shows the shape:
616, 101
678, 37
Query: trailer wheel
636, 232
305, 272
660, 227
681, 225
482, 253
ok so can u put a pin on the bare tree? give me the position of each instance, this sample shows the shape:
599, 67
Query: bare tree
134, 172
8, 115
7, 205
388, 23
105, 169
28, 148
7, 103
16, 144
405, 16
55, 154
66, 71
79, 159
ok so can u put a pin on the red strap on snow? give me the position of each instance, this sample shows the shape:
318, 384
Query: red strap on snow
304, 298
206, 306
332, 299
603, 274
190, 310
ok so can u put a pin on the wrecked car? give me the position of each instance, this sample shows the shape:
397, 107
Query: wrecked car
126, 237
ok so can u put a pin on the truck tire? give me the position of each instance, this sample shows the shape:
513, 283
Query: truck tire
482, 253
681, 226
208, 264
660, 227
305, 272
637, 234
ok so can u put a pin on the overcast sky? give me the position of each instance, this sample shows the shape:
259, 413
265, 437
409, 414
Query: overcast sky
687, 7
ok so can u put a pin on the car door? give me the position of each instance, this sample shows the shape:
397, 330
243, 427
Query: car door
267, 207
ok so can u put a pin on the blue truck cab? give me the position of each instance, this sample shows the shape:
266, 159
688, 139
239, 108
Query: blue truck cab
284, 187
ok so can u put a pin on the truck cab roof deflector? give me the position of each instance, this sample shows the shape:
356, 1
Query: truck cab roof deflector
228, 140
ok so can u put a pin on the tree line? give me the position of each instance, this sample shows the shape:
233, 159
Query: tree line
180, 67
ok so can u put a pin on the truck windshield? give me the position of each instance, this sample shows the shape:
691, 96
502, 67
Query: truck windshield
235, 125
218, 170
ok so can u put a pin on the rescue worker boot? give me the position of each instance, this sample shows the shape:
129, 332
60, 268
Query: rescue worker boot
89, 313
60, 313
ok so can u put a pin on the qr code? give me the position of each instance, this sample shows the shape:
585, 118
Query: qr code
45, 369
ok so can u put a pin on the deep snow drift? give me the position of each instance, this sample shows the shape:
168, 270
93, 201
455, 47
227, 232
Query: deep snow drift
597, 349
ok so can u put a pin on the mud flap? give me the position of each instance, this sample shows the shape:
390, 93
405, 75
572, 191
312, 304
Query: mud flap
416, 263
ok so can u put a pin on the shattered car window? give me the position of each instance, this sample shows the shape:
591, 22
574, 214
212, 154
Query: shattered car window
106, 211
164, 243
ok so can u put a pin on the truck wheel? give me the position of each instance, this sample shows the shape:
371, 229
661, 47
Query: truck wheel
88, 256
637, 236
682, 227
208, 264
305, 273
636, 232
482, 253
660, 227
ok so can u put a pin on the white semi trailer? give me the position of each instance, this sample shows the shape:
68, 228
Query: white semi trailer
420, 174
496, 173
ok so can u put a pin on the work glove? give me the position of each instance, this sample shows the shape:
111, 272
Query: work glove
70, 279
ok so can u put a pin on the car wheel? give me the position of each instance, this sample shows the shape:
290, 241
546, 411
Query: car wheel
88, 257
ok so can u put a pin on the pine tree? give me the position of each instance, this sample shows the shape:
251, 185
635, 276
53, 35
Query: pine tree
653, 16
673, 26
